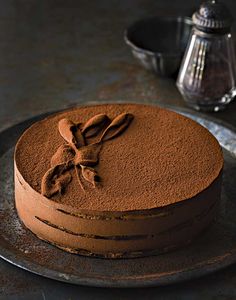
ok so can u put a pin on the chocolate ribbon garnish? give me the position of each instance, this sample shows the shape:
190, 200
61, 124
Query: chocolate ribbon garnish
79, 152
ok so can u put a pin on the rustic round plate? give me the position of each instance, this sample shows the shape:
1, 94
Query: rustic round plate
215, 249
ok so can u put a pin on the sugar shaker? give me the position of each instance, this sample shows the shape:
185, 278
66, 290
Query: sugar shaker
207, 74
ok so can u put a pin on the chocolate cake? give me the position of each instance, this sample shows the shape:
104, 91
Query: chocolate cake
117, 180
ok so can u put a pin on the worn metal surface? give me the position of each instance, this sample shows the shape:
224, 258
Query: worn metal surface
57, 53
212, 251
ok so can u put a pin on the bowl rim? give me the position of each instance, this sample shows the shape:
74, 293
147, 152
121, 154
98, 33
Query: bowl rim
185, 19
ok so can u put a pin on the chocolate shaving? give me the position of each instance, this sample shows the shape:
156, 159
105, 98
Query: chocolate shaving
88, 155
78, 154
65, 128
56, 179
77, 171
90, 175
71, 132
80, 141
117, 126
63, 154
95, 125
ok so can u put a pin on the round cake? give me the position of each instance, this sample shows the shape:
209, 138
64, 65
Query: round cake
117, 180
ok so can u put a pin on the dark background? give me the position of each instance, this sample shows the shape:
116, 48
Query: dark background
56, 54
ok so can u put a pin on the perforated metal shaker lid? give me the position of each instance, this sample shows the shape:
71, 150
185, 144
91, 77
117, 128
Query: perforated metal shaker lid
213, 17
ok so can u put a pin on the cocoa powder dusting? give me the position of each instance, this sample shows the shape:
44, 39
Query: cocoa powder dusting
78, 153
161, 159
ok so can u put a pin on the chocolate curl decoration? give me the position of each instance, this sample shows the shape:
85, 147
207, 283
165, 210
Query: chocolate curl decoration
88, 155
63, 154
78, 154
71, 133
56, 179
95, 125
117, 126
90, 175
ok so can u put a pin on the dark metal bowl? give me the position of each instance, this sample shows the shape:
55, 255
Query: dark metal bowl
159, 42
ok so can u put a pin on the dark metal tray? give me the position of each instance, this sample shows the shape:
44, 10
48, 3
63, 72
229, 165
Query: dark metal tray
215, 249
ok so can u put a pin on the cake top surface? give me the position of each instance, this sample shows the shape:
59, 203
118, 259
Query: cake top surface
159, 158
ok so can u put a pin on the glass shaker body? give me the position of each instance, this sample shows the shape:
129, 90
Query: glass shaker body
207, 75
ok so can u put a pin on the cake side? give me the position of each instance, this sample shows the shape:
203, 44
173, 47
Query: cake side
114, 235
